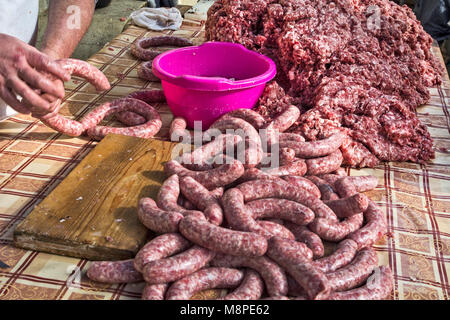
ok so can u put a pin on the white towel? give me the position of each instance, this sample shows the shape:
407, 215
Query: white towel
158, 18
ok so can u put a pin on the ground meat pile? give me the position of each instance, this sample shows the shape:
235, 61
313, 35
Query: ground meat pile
360, 66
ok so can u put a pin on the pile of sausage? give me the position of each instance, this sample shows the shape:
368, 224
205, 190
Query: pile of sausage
258, 231
146, 49
133, 110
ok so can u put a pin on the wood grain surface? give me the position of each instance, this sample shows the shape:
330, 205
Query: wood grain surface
92, 213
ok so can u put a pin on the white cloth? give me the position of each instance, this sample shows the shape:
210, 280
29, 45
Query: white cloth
18, 18
157, 18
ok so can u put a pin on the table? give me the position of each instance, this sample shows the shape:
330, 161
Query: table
34, 159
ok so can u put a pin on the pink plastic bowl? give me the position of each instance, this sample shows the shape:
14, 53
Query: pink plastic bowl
204, 82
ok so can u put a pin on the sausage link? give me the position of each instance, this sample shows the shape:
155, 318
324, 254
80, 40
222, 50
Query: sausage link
276, 298
343, 255
252, 117
323, 165
178, 131
178, 266
87, 71
202, 199
114, 272
253, 152
258, 189
251, 288
294, 288
350, 206
148, 96
345, 187
363, 183
217, 177
222, 240
276, 229
168, 196
273, 275
282, 122
209, 150
303, 183
336, 231
255, 174
294, 168
280, 209
160, 247
315, 149
354, 273
154, 291
378, 287
130, 118
312, 240
93, 76
289, 136
310, 278
155, 219
146, 130
285, 156
144, 71
207, 278
141, 47
297, 251
237, 215
374, 229
326, 190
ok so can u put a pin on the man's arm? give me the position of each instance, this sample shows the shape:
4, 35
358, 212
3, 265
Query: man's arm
68, 21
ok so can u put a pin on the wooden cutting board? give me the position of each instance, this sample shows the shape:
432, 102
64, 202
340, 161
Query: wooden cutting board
92, 213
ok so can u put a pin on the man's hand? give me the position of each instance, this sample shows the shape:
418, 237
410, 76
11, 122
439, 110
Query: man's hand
23, 71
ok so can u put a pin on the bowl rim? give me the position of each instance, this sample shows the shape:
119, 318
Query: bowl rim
214, 83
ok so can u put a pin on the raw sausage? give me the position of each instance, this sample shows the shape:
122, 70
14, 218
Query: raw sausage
322, 165
141, 47
273, 275
202, 199
374, 229
178, 266
315, 149
155, 219
378, 287
350, 206
160, 247
221, 239
168, 196
303, 183
343, 255
146, 130
252, 117
326, 190
310, 278
145, 72
154, 291
237, 215
355, 273
280, 209
253, 152
210, 179
336, 231
276, 229
114, 272
251, 288
257, 189
312, 240
207, 278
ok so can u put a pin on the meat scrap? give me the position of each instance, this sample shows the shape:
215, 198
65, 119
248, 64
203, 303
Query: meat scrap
362, 65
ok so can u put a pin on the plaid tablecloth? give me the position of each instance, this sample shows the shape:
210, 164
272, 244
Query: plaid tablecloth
34, 159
